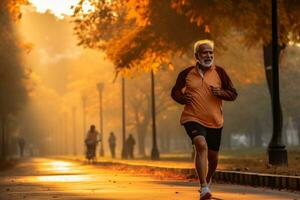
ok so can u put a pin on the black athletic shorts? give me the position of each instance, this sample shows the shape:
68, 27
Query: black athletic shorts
212, 135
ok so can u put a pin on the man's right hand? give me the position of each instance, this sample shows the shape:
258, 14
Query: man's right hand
187, 98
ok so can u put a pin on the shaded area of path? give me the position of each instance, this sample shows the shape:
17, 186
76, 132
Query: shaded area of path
57, 179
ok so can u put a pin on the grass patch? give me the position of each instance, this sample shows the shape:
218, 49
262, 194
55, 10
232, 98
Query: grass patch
248, 160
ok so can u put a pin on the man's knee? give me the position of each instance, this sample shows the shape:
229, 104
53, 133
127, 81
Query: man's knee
200, 144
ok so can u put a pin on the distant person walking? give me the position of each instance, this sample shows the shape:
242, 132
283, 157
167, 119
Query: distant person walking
91, 142
130, 142
22, 144
112, 144
201, 89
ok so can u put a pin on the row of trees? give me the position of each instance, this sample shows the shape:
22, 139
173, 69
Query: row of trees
13, 90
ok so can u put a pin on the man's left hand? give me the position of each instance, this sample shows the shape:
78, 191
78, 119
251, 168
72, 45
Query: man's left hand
216, 90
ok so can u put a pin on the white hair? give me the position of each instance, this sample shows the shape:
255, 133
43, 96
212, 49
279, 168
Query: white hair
201, 42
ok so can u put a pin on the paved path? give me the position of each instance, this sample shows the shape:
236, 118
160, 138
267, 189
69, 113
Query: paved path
39, 179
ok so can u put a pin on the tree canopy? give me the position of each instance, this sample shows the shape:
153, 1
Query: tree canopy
146, 33
252, 18
12, 75
136, 33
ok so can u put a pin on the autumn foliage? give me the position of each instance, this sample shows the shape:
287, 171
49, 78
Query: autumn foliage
252, 18
12, 74
133, 33
145, 33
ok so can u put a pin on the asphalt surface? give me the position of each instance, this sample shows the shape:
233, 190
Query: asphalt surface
41, 178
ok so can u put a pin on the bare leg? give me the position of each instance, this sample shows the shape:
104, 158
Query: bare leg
213, 157
201, 158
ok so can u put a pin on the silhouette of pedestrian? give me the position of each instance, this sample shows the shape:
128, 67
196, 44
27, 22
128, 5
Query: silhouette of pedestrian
21, 143
112, 144
130, 142
91, 142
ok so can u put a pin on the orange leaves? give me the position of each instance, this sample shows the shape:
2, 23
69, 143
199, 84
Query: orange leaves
138, 11
207, 30
153, 60
171, 66
123, 32
27, 47
178, 4
14, 7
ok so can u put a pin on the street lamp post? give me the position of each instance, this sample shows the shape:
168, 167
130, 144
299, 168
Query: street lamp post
65, 133
57, 134
276, 150
61, 133
84, 100
74, 130
154, 152
100, 87
124, 149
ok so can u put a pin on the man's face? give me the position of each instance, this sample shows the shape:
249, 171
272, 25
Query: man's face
205, 55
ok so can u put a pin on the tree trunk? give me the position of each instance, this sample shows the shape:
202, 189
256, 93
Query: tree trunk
268, 63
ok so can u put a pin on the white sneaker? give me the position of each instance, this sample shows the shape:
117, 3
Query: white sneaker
205, 193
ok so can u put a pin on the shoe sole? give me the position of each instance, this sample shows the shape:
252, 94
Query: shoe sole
207, 196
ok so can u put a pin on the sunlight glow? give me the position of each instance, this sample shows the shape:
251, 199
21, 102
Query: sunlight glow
61, 166
59, 8
64, 178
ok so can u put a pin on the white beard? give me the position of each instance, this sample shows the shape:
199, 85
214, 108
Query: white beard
206, 64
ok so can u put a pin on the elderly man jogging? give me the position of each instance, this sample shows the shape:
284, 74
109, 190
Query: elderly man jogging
201, 89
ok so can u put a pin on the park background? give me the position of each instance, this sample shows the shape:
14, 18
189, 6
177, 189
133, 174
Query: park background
53, 55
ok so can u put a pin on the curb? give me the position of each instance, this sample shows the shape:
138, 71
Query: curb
278, 182
259, 180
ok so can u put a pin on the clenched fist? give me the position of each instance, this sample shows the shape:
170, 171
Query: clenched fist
187, 98
216, 90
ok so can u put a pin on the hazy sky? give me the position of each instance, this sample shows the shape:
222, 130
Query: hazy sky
59, 8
